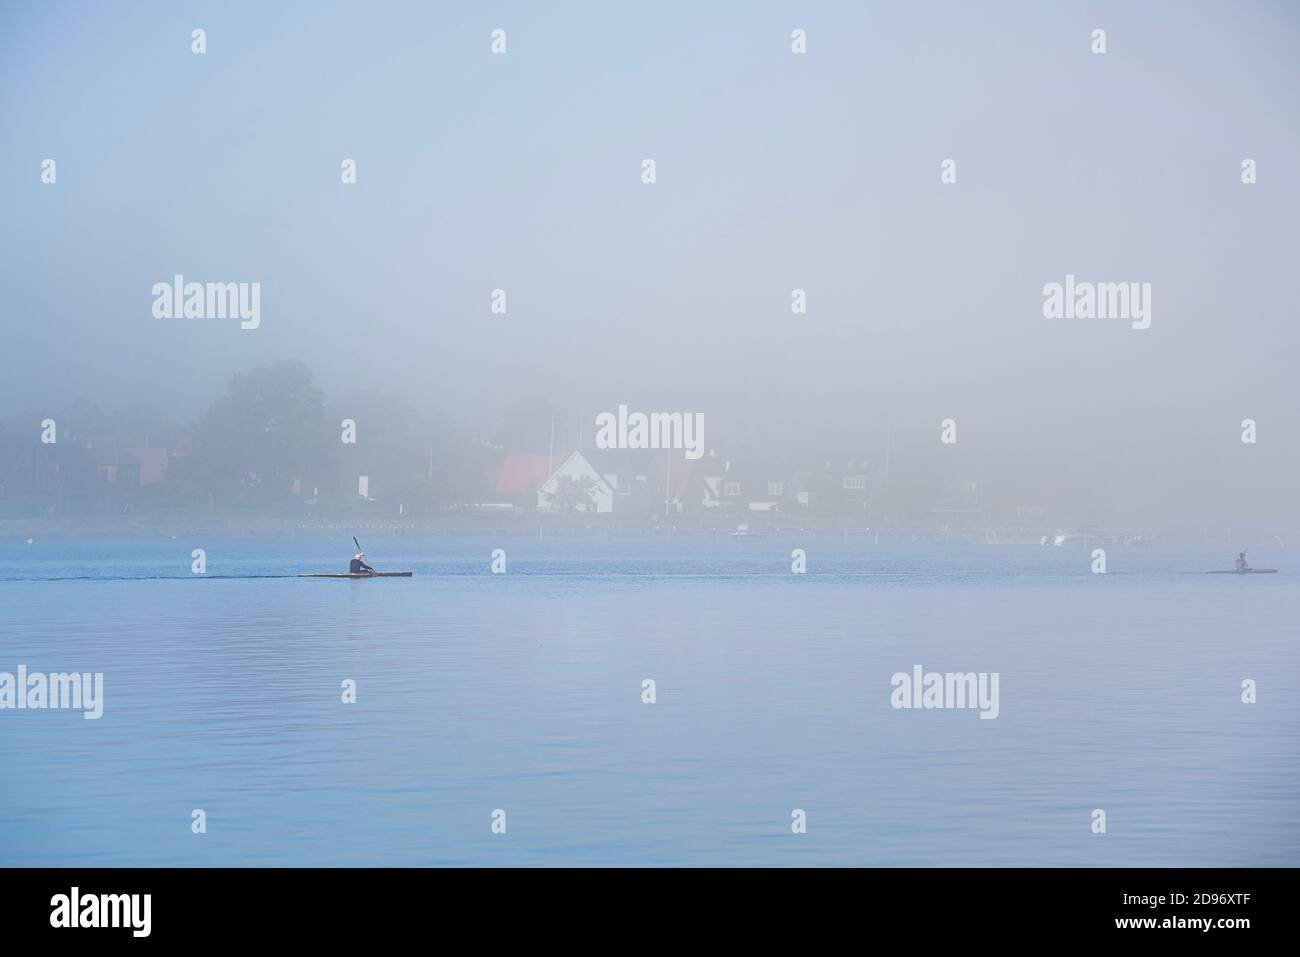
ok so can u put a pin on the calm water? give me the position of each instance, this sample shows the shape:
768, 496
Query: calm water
523, 692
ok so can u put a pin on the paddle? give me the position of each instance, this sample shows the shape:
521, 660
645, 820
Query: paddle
357, 543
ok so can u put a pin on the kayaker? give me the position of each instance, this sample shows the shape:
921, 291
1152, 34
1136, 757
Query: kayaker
357, 566
1241, 565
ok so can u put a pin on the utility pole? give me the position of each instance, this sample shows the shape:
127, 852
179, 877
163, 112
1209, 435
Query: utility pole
889, 441
668, 481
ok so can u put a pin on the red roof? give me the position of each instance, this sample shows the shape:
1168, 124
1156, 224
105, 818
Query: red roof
521, 474
679, 472
153, 464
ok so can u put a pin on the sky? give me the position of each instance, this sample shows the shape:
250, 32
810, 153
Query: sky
775, 171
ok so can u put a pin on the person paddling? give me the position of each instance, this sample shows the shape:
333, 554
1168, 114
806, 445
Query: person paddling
357, 566
1241, 565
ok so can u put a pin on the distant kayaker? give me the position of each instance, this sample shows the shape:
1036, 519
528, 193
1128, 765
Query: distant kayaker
357, 566
1241, 565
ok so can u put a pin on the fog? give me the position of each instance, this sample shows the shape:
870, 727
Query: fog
774, 171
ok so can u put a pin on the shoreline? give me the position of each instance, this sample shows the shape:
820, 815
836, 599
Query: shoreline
738, 526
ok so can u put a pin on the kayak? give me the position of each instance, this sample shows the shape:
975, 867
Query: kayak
1248, 571
357, 575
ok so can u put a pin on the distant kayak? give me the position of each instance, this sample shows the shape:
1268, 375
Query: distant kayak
1247, 571
357, 575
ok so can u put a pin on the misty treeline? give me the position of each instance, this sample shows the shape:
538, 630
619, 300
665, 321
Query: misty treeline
272, 440
276, 443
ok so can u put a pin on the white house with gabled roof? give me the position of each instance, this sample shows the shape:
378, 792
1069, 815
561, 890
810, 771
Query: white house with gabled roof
577, 468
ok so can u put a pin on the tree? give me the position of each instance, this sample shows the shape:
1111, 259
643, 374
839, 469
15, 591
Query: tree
573, 494
267, 433
84, 419
413, 457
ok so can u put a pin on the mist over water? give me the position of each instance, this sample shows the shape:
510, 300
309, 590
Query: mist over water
775, 172
284, 284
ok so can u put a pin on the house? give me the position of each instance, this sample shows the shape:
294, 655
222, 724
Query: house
659, 481
576, 486
115, 464
676, 480
153, 464
710, 493
518, 477
842, 485
756, 485
669, 482
626, 481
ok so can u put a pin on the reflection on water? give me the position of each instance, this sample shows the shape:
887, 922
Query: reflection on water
523, 692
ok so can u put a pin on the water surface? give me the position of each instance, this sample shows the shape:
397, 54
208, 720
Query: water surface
522, 692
